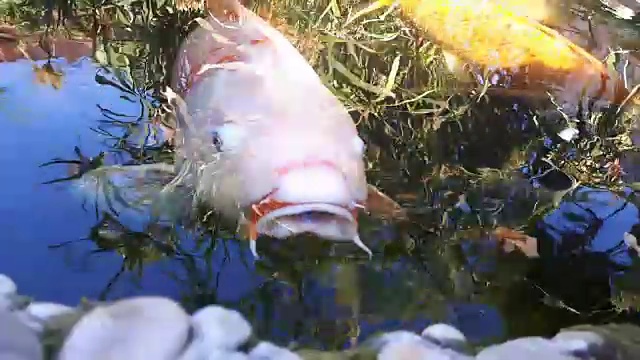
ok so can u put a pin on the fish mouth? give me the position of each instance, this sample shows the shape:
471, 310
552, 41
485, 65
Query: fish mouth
329, 221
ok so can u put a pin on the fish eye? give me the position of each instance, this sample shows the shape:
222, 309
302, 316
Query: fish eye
227, 136
358, 145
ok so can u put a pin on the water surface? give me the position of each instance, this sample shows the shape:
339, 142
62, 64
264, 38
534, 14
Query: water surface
452, 271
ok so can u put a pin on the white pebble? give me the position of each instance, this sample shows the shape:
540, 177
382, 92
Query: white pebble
399, 336
220, 328
268, 351
418, 351
445, 336
195, 352
528, 348
6, 303
7, 286
225, 355
44, 311
136, 328
17, 342
8, 293
403, 351
37, 314
583, 342
400, 345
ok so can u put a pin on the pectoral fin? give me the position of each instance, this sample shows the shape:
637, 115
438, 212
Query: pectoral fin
382, 206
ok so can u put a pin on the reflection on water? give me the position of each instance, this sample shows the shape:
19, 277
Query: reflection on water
63, 240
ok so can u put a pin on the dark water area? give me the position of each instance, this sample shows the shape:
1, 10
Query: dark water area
439, 267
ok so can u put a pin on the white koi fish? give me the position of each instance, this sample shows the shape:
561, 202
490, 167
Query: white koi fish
263, 141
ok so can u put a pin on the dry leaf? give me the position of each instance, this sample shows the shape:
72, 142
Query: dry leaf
512, 239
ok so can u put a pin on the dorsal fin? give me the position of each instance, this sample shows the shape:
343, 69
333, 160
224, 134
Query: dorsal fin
224, 9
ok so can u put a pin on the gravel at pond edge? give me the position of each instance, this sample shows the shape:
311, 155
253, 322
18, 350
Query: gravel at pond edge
158, 328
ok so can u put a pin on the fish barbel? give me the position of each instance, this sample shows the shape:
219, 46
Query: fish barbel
261, 137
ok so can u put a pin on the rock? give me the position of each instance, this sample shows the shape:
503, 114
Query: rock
219, 328
8, 291
528, 348
7, 286
418, 351
136, 328
584, 343
37, 314
224, 355
610, 341
194, 353
399, 336
445, 336
268, 351
400, 345
17, 341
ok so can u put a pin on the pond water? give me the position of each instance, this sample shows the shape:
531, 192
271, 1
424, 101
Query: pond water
57, 247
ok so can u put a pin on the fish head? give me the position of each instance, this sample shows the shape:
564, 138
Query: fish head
275, 146
316, 181
288, 168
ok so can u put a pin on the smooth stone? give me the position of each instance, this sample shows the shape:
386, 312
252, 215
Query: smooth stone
7, 286
400, 345
585, 343
410, 350
37, 314
6, 303
225, 355
397, 337
218, 328
137, 328
8, 291
528, 348
268, 351
197, 354
445, 336
17, 341
194, 352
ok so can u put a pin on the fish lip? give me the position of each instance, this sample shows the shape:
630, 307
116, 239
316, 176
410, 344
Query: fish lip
339, 211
